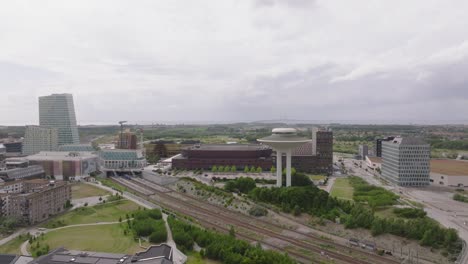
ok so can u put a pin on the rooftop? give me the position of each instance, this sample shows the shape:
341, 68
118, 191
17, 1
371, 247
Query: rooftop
20, 172
228, 147
161, 254
286, 135
121, 154
54, 155
407, 141
76, 147
449, 167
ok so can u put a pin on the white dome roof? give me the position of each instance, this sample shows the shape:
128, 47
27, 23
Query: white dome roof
284, 130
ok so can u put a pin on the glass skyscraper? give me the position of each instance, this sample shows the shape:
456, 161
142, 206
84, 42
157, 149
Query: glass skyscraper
58, 111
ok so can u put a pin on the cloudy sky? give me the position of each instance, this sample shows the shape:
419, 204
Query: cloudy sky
223, 60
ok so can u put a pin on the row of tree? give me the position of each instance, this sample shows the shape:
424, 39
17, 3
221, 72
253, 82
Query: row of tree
225, 248
233, 168
317, 202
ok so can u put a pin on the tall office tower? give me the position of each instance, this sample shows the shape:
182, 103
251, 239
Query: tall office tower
57, 111
38, 139
406, 161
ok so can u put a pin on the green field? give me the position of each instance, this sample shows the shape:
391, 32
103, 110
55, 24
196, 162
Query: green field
342, 189
82, 190
13, 247
100, 238
108, 212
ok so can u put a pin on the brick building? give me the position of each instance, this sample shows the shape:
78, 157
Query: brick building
316, 156
37, 200
239, 155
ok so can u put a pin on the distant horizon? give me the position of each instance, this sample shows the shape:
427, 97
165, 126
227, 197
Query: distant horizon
267, 121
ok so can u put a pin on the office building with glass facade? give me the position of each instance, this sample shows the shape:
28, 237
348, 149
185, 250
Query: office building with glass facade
406, 161
58, 111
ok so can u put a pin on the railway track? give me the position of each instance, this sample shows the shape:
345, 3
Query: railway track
198, 210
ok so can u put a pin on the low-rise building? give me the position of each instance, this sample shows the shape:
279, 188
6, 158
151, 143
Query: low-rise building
30, 172
12, 163
121, 160
13, 147
205, 156
14, 259
66, 165
161, 254
76, 148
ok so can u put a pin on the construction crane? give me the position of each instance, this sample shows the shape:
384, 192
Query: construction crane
121, 133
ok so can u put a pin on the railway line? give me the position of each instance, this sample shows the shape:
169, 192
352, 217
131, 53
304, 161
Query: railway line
221, 217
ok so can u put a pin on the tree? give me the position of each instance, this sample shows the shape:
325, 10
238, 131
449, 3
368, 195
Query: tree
227, 169
296, 210
246, 169
233, 168
273, 170
253, 170
259, 169
214, 168
68, 204
232, 231
220, 168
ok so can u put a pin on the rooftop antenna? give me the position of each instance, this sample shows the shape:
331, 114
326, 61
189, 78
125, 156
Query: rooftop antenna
121, 132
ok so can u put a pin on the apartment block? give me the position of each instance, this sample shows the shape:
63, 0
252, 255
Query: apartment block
37, 201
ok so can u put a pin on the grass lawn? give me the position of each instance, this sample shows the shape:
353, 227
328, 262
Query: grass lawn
13, 247
195, 258
342, 189
113, 185
108, 212
82, 190
100, 238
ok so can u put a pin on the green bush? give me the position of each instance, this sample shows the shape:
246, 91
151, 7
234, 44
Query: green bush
160, 233
409, 212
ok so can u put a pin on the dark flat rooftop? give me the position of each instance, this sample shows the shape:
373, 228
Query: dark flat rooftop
228, 147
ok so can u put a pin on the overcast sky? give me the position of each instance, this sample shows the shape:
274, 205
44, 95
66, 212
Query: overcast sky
222, 60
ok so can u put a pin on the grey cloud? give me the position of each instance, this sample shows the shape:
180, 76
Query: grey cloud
287, 3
